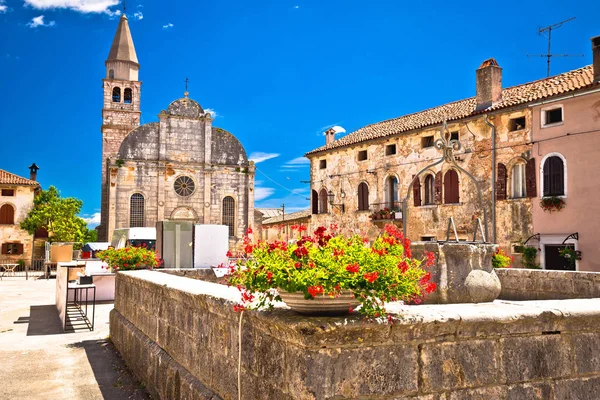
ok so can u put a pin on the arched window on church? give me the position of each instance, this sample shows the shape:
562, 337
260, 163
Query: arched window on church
229, 214
136, 211
116, 95
127, 96
111, 74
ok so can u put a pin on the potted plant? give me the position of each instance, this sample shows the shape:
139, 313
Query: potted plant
385, 213
571, 255
552, 203
129, 258
334, 271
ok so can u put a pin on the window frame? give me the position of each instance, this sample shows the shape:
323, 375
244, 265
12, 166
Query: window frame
120, 94
523, 166
565, 175
445, 188
360, 154
20, 249
143, 212
362, 206
13, 214
544, 119
228, 220
6, 190
323, 163
512, 121
431, 201
388, 147
427, 142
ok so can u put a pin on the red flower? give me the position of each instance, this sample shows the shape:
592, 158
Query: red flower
406, 245
352, 268
403, 266
371, 276
430, 258
228, 254
300, 252
430, 287
248, 248
238, 307
425, 278
298, 265
338, 253
315, 290
269, 276
249, 231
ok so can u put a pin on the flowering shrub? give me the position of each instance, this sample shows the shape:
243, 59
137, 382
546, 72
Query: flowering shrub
129, 258
501, 260
327, 265
552, 203
571, 255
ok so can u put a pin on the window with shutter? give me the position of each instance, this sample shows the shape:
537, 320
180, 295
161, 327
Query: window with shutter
501, 182
451, 195
429, 190
7, 214
5, 248
518, 181
19, 248
438, 188
554, 179
530, 181
315, 202
363, 197
417, 192
323, 201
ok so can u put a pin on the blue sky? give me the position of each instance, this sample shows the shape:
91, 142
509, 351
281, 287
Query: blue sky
276, 73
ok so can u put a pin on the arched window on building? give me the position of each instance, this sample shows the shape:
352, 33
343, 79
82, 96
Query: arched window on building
136, 210
429, 190
229, 214
315, 202
451, 188
116, 95
417, 192
518, 181
323, 201
127, 96
111, 74
7, 215
391, 192
363, 197
554, 176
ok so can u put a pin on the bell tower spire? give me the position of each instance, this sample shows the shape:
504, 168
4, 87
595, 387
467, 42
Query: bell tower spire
121, 111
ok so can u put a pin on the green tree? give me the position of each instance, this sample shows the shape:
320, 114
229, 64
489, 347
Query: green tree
58, 215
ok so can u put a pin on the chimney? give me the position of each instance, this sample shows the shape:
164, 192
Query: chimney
329, 135
489, 84
33, 169
596, 57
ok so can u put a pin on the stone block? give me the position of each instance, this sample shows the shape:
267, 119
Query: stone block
586, 349
488, 393
458, 365
535, 357
580, 389
530, 391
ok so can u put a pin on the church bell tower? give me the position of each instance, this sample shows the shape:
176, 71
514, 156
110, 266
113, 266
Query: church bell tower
121, 110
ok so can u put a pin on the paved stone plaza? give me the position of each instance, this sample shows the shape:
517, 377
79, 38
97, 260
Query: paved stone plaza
39, 361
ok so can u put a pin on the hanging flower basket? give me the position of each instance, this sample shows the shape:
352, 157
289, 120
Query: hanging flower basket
552, 203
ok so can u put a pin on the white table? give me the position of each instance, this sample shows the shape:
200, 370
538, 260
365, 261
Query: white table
8, 268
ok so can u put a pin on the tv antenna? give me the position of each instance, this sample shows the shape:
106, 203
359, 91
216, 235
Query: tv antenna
549, 55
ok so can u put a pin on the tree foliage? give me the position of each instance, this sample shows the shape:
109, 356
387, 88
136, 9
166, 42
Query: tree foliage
58, 216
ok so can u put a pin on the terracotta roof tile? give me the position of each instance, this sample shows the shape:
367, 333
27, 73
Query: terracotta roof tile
288, 217
522, 94
6, 178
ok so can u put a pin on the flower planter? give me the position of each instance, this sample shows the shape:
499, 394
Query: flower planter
320, 305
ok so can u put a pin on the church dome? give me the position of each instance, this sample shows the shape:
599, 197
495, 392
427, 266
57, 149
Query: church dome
227, 149
185, 107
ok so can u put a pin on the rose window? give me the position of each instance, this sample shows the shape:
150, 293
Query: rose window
184, 186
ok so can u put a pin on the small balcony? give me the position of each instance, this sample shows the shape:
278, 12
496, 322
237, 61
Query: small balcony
386, 211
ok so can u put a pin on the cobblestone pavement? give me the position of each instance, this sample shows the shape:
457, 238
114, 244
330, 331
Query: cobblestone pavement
39, 361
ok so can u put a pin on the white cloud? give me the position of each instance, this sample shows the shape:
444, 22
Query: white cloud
212, 112
138, 15
3, 7
92, 221
297, 162
296, 7
39, 21
259, 156
261, 193
167, 26
82, 6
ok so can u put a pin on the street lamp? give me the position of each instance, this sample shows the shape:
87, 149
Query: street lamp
331, 197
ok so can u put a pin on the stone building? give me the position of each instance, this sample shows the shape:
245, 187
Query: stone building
179, 168
357, 176
16, 200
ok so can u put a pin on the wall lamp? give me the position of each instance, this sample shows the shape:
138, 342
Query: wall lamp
331, 197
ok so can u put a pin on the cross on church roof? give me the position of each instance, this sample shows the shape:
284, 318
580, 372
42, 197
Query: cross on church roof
186, 86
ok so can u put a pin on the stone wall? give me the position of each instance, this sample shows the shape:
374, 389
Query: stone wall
537, 284
180, 337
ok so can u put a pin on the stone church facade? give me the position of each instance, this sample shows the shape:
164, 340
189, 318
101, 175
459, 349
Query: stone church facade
179, 168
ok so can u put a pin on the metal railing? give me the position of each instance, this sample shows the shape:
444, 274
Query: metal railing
386, 211
29, 269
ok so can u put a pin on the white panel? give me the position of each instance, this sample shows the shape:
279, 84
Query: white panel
211, 243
